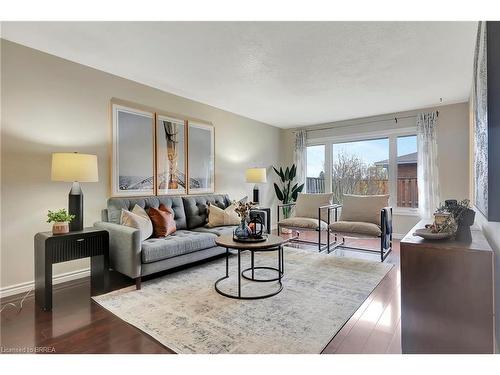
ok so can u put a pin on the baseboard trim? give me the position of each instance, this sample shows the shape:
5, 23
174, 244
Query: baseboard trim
58, 279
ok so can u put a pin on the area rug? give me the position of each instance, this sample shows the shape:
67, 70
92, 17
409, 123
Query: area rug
183, 311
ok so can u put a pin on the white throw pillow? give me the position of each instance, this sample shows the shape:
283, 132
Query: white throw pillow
307, 205
218, 217
138, 218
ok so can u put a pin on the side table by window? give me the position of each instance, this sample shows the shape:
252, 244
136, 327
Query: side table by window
264, 214
56, 248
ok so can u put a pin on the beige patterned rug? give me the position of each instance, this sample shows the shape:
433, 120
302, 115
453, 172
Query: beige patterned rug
184, 312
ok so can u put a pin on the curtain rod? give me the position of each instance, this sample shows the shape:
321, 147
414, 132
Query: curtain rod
361, 123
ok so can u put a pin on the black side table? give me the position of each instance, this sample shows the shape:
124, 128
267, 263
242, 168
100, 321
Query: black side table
56, 248
264, 213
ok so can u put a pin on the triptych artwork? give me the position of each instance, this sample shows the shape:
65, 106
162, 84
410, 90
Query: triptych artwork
160, 154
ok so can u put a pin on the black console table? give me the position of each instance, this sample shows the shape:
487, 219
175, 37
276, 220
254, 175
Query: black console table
56, 248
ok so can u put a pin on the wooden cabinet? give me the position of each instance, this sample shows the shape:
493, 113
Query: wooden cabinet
446, 295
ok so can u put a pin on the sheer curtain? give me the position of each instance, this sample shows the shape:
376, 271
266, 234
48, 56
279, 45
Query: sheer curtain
299, 155
427, 167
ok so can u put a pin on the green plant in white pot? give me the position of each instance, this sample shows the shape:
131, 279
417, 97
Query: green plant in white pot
289, 189
61, 220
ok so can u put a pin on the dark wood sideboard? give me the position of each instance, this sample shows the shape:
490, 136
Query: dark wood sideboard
446, 295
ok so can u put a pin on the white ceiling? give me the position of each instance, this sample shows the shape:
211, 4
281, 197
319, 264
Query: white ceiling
282, 73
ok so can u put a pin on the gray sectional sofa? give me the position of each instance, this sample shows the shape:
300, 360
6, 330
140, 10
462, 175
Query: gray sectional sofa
190, 243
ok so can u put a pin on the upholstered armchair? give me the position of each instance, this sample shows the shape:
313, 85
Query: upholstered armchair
364, 216
311, 212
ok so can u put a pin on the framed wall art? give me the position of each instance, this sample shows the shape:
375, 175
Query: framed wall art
171, 147
479, 102
201, 158
132, 167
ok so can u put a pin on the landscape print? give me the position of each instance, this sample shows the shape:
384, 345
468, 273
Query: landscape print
201, 158
133, 136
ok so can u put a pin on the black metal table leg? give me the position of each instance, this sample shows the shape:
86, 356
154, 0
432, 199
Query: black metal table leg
239, 273
279, 264
253, 270
227, 262
282, 260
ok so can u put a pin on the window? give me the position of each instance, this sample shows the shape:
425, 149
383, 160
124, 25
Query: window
407, 191
378, 163
315, 170
360, 167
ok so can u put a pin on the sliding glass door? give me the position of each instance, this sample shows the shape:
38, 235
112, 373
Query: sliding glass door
383, 163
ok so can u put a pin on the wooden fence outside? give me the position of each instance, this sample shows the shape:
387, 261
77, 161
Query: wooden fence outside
407, 190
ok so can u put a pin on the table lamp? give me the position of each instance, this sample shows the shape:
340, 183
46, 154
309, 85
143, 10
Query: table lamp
256, 176
75, 168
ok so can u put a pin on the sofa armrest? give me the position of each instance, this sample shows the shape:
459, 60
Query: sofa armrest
124, 248
329, 207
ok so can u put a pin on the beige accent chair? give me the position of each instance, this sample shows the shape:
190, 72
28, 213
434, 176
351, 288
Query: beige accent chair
364, 216
313, 212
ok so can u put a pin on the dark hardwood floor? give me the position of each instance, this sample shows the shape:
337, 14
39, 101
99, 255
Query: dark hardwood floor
78, 325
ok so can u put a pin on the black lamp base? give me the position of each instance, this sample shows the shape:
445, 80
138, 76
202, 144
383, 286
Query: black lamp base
256, 194
75, 207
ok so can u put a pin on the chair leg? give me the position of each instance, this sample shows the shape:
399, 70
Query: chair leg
138, 283
328, 241
319, 240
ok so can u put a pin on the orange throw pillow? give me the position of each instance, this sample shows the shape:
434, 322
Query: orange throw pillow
163, 221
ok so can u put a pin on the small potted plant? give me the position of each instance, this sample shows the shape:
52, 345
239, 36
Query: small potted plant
61, 220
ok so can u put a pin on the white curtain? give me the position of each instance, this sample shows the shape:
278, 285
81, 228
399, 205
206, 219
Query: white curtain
427, 166
299, 155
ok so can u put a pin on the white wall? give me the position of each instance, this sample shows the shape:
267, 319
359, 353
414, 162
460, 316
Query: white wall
453, 148
50, 105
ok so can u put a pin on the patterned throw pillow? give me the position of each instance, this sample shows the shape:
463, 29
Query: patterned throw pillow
218, 217
138, 219
163, 221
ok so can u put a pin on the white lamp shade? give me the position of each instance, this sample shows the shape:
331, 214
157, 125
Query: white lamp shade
256, 175
72, 167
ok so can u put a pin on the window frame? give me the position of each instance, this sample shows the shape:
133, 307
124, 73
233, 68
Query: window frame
392, 135
327, 185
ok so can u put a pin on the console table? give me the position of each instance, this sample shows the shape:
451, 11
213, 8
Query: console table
56, 248
446, 295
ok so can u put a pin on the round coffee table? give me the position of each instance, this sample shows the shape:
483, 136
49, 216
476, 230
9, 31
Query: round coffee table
273, 243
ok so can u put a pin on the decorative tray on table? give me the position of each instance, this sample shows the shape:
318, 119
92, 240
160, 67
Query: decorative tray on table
427, 234
261, 238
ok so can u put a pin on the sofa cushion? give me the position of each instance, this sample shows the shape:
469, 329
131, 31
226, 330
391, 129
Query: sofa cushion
307, 205
178, 243
218, 217
356, 227
363, 208
138, 219
219, 231
196, 207
163, 220
116, 204
302, 222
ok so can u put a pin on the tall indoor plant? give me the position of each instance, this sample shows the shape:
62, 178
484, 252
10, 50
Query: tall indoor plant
289, 189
